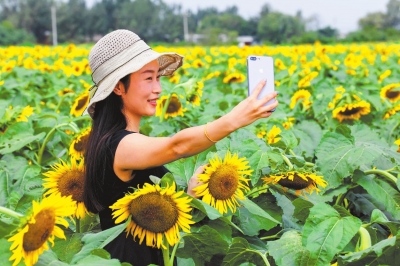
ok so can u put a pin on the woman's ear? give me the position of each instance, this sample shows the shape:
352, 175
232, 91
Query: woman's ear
119, 88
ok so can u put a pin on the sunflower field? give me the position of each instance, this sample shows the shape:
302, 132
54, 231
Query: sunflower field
317, 183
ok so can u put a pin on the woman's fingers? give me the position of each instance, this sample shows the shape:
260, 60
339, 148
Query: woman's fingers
268, 97
267, 110
258, 89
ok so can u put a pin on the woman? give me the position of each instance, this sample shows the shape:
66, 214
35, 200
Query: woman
126, 74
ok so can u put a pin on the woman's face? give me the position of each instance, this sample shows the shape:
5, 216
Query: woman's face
144, 90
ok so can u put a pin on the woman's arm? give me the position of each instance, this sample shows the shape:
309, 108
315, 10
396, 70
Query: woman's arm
137, 151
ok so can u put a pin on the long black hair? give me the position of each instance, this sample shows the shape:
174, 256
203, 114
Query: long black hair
107, 120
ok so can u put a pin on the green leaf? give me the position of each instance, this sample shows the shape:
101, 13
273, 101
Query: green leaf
7, 226
309, 133
17, 136
5, 253
288, 250
98, 240
326, 233
385, 252
49, 258
338, 155
257, 162
301, 209
256, 210
67, 248
202, 245
288, 220
240, 252
288, 140
93, 260
381, 191
185, 168
379, 217
211, 212
252, 218
15, 173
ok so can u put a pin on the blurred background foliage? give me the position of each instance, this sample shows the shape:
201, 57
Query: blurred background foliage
29, 21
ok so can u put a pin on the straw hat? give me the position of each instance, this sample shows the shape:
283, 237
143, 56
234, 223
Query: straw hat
118, 54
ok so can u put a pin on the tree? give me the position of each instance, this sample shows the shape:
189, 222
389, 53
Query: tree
71, 21
35, 16
375, 20
277, 27
393, 14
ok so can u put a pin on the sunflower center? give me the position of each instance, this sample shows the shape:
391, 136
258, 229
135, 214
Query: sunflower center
81, 144
154, 212
39, 232
224, 182
174, 105
81, 103
298, 183
352, 111
392, 94
72, 184
193, 98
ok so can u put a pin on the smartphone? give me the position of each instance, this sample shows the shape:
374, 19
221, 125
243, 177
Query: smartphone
258, 68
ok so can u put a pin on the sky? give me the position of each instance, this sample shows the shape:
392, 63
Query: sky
340, 14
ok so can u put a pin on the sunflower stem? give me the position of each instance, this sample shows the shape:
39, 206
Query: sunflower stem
85, 117
78, 225
165, 252
272, 236
287, 161
257, 190
264, 258
9, 212
165, 107
172, 257
383, 173
309, 164
41, 150
292, 152
59, 103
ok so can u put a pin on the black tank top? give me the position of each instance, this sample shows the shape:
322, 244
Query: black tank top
125, 248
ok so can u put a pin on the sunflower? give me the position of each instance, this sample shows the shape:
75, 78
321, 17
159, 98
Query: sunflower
385, 75
288, 123
195, 93
174, 107
397, 142
175, 79
391, 112
67, 179
306, 81
39, 227
26, 112
303, 95
224, 182
234, 77
156, 213
261, 133
391, 92
80, 104
351, 111
78, 145
306, 181
64, 91
272, 135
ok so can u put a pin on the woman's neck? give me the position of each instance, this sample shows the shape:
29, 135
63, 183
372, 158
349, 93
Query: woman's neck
132, 123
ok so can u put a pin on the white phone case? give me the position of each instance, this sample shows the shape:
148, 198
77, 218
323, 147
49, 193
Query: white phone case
258, 68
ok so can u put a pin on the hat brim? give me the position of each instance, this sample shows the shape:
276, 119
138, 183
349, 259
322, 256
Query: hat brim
169, 62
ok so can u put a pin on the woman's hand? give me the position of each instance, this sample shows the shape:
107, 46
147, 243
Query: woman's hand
194, 181
252, 109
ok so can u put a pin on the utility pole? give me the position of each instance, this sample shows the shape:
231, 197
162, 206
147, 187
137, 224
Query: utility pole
185, 26
54, 25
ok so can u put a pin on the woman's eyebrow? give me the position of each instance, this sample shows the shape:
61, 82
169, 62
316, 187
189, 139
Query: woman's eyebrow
148, 71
